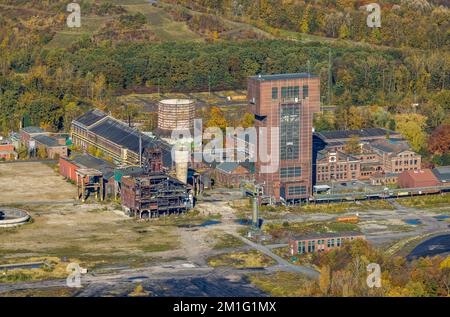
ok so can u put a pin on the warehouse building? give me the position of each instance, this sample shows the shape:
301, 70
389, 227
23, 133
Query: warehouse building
231, 174
115, 138
418, 178
321, 242
70, 168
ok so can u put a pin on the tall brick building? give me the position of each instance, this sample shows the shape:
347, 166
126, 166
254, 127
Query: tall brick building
285, 104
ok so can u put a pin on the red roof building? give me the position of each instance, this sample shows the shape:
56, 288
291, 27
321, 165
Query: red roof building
419, 178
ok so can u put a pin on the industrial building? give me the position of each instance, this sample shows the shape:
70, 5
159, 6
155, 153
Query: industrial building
115, 138
154, 193
417, 179
175, 114
321, 242
70, 169
340, 137
52, 147
283, 106
379, 159
231, 174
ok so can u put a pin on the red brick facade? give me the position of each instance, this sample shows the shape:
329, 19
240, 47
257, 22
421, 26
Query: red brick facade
275, 100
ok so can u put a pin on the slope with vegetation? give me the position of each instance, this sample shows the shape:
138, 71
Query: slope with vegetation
49, 73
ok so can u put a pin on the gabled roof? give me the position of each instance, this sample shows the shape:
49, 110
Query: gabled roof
323, 154
391, 146
442, 173
228, 167
91, 117
121, 134
425, 175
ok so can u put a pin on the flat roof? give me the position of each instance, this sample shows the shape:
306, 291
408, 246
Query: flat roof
362, 134
328, 235
88, 161
33, 130
46, 140
283, 76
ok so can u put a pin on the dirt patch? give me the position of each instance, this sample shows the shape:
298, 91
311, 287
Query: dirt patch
32, 182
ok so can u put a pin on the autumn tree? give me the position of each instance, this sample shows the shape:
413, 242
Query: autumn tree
439, 140
216, 118
353, 145
412, 127
325, 279
248, 120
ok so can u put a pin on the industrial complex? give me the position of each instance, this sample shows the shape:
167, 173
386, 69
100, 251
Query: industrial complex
153, 175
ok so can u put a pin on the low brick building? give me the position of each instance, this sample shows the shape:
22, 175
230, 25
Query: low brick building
321, 242
7, 151
230, 174
53, 146
69, 166
29, 132
415, 179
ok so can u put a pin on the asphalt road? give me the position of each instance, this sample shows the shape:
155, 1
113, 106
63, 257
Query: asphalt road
282, 263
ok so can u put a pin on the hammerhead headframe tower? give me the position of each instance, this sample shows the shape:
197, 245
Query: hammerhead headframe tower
283, 106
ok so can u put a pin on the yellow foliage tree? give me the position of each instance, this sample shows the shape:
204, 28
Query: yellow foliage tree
325, 279
412, 127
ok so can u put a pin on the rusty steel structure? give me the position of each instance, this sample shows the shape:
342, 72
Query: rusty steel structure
154, 193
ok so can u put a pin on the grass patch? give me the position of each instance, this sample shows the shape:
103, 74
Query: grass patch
250, 259
225, 241
283, 284
45, 292
430, 201
286, 229
53, 269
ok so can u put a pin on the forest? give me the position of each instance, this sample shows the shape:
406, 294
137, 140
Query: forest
369, 85
404, 22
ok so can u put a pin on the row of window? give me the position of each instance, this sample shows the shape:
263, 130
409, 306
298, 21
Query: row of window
289, 132
290, 92
397, 163
296, 190
287, 172
311, 246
